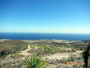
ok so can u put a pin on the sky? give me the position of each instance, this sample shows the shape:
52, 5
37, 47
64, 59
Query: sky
45, 16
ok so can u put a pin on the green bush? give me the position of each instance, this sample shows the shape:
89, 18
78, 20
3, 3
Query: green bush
34, 62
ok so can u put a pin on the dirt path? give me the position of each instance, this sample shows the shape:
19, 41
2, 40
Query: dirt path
25, 52
57, 56
60, 56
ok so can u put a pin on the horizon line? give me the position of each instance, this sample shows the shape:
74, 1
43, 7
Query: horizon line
46, 32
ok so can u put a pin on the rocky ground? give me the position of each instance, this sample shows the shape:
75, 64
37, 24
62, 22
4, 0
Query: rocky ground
57, 53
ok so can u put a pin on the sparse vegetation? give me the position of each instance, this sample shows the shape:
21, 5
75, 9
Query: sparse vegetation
45, 51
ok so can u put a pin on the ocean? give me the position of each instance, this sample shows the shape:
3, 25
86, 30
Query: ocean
44, 36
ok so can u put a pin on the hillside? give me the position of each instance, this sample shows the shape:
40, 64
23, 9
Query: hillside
57, 53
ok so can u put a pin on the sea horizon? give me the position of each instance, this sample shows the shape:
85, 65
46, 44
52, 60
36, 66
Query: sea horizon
44, 36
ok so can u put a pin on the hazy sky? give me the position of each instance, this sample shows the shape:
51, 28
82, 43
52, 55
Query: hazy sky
45, 16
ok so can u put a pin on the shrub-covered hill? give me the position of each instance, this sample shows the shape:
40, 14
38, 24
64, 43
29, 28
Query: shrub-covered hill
11, 46
57, 53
